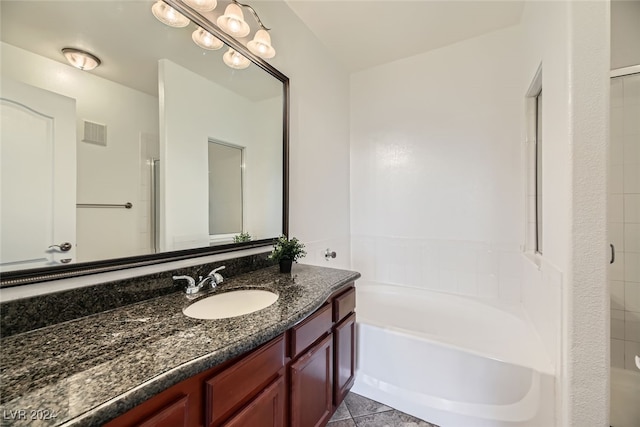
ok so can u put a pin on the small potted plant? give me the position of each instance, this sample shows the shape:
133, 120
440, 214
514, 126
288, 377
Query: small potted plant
242, 237
286, 252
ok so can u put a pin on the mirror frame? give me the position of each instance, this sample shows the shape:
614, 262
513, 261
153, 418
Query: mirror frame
35, 275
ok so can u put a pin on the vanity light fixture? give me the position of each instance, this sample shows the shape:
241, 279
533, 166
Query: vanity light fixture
202, 5
80, 59
235, 60
206, 40
261, 45
232, 22
168, 15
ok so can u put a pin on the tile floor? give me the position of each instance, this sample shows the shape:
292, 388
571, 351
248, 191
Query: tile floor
358, 411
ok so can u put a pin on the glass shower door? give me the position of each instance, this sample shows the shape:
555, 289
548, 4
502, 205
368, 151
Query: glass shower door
624, 232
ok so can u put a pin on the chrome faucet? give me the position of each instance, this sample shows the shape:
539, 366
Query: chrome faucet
213, 277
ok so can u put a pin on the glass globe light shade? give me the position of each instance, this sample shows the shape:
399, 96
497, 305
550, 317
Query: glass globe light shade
232, 22
234, 60
261, 45
206, 40
81, 59
168, 15
202, 5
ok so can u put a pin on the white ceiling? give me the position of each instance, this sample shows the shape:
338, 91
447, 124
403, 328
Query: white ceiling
366, 33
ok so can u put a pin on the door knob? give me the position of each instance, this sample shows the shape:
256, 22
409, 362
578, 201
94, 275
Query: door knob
64, 247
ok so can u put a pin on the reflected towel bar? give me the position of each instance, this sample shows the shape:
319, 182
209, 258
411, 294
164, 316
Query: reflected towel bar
127, 205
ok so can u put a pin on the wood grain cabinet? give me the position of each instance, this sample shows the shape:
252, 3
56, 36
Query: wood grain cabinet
297, 379
312, 386
344, 338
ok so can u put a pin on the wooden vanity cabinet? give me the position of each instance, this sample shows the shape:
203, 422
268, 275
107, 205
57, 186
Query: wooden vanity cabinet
311, 370
344, 339
295, 380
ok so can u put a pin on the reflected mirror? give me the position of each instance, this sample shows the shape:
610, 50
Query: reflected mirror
162, 150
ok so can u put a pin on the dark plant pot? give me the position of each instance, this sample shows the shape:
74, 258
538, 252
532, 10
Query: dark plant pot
285, 265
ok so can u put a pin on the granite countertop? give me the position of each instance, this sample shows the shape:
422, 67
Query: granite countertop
88, 371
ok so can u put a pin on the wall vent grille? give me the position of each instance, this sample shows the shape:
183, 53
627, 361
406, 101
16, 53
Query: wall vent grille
95, 133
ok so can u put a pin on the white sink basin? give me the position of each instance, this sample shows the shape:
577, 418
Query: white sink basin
231, 304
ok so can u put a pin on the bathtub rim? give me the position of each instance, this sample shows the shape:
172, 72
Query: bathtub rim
542, 363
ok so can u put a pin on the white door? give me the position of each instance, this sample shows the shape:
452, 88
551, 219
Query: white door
38, 173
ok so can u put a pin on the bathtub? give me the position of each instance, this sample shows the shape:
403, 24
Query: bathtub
451, 360
625, 391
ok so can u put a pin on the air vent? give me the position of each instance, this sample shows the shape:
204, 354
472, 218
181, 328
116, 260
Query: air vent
95, 133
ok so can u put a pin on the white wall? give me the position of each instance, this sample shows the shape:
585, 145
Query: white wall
104, 174
625, 33
194, 110
435, 169
319, 163
571, 41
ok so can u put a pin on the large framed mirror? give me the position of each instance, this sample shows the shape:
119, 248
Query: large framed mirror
161, 153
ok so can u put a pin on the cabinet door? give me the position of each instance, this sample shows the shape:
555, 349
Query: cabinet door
174, 415
266, 410
344, 337
312, 386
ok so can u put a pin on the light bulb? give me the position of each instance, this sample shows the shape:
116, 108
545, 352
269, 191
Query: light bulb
232, 22
235, 60
205, 39
202, 5
261, 45
81, 59
168, 15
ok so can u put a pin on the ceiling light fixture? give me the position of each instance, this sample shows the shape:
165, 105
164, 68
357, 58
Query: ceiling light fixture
202, 5
168, 15
80, 59
206, 40
235, 60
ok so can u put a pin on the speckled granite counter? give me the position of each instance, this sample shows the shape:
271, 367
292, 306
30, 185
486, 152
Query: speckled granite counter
90, 370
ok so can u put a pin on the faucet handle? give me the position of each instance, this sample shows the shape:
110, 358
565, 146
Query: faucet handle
192, 288
217, 277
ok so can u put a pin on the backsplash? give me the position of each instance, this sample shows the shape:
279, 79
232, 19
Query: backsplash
23, 315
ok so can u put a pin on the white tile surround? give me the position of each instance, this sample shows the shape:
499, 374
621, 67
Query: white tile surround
469, 268
624, 221
494, 271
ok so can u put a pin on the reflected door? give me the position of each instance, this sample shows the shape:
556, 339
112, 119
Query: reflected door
38, 190
225, 189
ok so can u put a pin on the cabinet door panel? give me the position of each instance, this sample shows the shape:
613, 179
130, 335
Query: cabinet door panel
266, 410
312, 386
229, 390
345, 357
174, 415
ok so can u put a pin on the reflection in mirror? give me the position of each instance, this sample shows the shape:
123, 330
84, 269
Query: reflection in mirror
225, 189
117, 161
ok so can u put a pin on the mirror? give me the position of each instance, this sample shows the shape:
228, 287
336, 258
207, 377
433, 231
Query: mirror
114, 167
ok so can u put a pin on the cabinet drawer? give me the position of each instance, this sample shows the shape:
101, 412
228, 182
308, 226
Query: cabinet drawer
173, 415
344, 304
232, 388
312, 328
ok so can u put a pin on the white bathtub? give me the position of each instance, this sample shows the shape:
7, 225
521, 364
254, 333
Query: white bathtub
451, 360
625, 395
